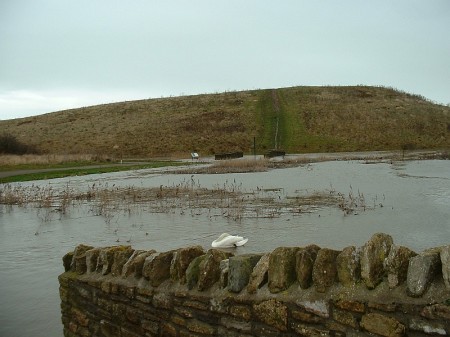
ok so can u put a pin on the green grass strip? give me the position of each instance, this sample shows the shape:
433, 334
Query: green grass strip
72, 172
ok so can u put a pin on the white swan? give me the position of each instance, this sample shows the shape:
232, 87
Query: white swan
226, 241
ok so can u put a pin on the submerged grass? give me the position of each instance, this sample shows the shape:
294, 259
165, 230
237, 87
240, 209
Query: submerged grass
229, 200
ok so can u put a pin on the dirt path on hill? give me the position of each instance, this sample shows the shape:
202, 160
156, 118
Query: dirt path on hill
276, 108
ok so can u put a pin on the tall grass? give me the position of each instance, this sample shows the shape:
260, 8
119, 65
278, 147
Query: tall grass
239, 165
48, 159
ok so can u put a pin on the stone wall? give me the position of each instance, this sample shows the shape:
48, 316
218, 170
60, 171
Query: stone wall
380, 289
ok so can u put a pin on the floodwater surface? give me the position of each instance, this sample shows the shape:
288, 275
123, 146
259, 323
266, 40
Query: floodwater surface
408, 200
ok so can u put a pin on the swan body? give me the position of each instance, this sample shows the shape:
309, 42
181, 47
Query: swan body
227, 241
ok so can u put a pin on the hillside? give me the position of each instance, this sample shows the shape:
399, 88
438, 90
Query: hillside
297, 119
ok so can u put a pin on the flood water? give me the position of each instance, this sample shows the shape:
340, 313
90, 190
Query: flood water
408, 200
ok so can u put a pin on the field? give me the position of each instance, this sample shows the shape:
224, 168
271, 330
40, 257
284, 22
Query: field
296, 119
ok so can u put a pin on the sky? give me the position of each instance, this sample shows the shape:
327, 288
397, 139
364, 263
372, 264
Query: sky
61, 54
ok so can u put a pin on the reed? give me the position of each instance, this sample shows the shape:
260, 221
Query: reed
228, 200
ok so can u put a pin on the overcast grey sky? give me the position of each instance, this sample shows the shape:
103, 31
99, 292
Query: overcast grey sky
60, 54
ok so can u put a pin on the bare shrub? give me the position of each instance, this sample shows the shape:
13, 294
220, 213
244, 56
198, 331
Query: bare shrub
10, 144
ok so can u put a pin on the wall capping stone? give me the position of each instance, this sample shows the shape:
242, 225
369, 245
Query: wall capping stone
119, 291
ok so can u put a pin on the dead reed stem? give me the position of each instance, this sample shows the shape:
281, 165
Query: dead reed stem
229, 200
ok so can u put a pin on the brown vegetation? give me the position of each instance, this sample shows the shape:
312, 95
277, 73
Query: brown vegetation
10, 145
12, 160
297, 119
231, 166
229, 200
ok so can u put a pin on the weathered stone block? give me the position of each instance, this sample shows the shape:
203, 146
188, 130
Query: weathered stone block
396, 265
224, 272
120, 257
345, 317
349, 305
135, 263
305, 330
157, 267
181, 260
421, 271
241, 311
109, 329
162, 300
340, 330
145, 292
178, 320
240, 268
259, 276
200, 327
324, 269
150, 326
193, 271
63, 295
304, 262
436, 311
84, 293
91, 259
67, 260
244, 326
198, 304
133, 315
348, 266
79, 317
281, 269
184, 312
223, 331
373, 254
319, 307
209, 268
306, 317
387, 307
445, 261
168, 329
73, 327
79, 259
124, 332
382, 325
429, 328
106, 259
262, 330
218, 305
273, 313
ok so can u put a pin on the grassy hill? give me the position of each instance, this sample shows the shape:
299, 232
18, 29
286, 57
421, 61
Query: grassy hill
297, 119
